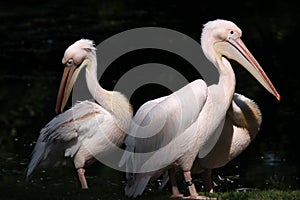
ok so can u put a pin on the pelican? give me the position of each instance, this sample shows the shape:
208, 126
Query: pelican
188, 123
89, 129
242, 123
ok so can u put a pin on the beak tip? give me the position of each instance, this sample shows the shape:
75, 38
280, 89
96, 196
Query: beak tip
278, 97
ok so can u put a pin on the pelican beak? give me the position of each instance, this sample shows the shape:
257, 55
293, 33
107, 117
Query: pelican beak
67, 82
235, 49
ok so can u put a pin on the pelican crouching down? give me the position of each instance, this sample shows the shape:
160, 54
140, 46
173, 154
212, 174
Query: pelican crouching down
191, 119
88, 130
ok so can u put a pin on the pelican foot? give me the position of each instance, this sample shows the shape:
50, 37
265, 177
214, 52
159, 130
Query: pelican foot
179, 195
200, 197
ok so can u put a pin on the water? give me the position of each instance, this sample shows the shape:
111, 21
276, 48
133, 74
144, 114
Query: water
36, 34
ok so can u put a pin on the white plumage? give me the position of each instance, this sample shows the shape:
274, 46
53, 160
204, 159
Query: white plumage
192, 118
88, 130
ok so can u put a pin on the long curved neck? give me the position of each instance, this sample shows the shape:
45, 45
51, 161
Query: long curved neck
218, 101
102, 96
227, 80
112, 101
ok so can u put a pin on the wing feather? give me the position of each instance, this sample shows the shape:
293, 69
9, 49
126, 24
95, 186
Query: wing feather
66, 132
67, 125
159, 133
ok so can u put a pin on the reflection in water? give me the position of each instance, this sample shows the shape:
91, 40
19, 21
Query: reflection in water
271, 159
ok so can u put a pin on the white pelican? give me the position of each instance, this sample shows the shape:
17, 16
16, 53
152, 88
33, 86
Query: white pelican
190, 120
242, 123
88, 129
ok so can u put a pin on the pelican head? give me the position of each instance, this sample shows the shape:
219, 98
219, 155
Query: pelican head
77, 56
223, 38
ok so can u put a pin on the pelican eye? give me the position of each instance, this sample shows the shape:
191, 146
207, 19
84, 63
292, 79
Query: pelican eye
69, 63
232, 34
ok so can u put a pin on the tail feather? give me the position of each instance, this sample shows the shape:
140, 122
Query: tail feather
37, 155
137, 187
164, 181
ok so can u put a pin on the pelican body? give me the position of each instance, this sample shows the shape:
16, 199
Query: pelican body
242, 123
191, 119
88, 130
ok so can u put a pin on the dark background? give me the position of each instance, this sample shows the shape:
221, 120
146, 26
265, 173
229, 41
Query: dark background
35, 34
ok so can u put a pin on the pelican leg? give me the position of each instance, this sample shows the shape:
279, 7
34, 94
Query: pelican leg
175, 191
82, 179
191, 186
207, 181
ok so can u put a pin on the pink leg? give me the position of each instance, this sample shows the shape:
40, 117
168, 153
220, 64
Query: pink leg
192, 189
82, 179
191, 186
175, 191
207, 181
